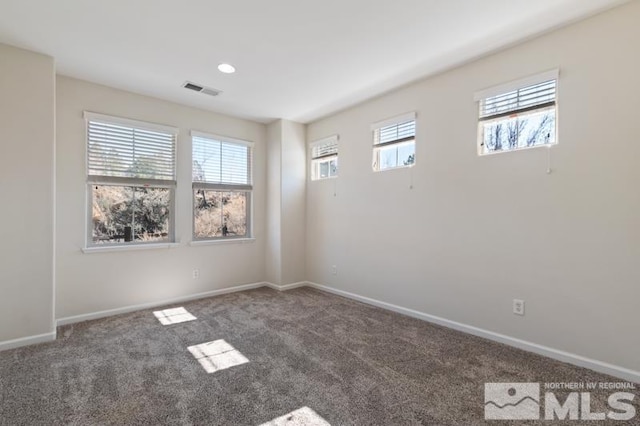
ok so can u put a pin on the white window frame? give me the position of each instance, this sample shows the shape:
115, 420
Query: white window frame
100, 180
224, 187
398, 143
514, 86
316, 162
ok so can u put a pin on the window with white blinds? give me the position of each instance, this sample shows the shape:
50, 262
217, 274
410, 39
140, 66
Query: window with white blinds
518, 115
222, 187
324, 158
131, 181
126, 149
394, 142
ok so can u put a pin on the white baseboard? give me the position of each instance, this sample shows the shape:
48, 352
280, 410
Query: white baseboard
570, 358
285, 287
26, 341
133, 308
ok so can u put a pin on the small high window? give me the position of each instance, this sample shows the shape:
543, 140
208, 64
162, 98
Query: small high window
394, 142
222, 187
518, 115
324, 158
131, 181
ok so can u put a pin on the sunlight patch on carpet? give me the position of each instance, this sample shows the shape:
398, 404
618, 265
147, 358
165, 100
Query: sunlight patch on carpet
217, 355
304, 416
174, 316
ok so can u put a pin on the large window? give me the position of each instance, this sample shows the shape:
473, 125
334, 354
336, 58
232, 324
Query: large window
324, 158
394, 142
222, 187
131, 180
518, 115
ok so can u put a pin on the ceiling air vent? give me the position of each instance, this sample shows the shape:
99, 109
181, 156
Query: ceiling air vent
202, 89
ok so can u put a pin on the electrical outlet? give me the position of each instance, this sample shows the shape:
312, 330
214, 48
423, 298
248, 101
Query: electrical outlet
196, 274
334, 269
518, 307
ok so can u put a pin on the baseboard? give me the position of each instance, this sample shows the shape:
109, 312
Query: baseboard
26, 341
285, 287
570, 358
133, 308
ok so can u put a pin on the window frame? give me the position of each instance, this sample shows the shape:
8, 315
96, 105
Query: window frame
514, 86
224, 187
100, 180
314, 162
397, 143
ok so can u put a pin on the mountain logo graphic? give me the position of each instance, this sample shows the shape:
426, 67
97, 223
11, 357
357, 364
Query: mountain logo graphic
512, 401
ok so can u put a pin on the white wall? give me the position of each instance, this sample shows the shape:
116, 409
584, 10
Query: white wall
294, 181
273, 248
286, 164
88, 283
27, 119
476, 232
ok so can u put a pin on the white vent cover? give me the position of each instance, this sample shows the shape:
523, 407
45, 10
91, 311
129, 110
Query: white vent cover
200, 88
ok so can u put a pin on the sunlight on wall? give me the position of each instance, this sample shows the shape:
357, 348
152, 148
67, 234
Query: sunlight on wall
217, 355
173, 316
304, 416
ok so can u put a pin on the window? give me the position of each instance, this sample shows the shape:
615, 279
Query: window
221, 187
394, 142
518, 115
131, 181
324, 158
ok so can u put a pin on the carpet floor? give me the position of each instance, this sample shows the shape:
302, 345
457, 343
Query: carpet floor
324, 358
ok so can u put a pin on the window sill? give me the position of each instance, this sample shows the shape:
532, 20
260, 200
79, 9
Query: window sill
324, 178
221, 241
408, 166
524, 148
89, 250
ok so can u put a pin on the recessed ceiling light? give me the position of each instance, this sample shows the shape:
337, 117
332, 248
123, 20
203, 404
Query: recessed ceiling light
227, 68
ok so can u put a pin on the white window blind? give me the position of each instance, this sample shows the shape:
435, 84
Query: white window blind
395, 130
221, 162
325, 148
128, 149
536, 96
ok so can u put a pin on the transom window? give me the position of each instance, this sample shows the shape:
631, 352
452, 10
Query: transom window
222, 187
518, 115
324, 158
131, 181
394, 142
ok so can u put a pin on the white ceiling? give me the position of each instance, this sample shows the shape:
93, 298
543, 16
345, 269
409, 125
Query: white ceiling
296, 59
